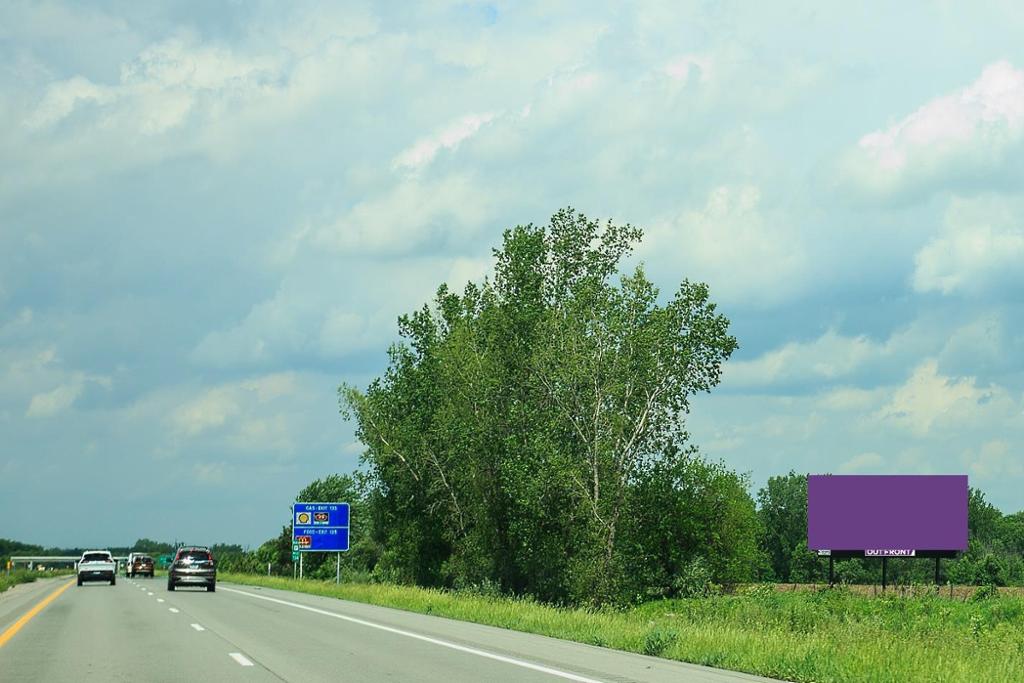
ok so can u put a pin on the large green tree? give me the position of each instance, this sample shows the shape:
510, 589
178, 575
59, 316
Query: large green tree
782, 505
507, 438
688, 512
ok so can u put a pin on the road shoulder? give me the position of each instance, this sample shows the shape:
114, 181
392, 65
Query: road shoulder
589, 660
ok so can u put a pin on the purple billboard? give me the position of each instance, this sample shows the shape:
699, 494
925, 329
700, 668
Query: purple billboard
887, 515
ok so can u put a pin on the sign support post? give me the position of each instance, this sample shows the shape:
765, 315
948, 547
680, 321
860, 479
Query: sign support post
337, 578
300, 566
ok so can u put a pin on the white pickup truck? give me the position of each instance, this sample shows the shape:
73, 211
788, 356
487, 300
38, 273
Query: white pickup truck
97, 565
128, 564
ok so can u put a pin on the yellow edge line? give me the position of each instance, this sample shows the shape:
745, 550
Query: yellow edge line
16, 626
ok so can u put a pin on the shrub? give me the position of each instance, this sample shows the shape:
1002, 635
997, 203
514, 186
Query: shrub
658, 640
694, 580
985, 592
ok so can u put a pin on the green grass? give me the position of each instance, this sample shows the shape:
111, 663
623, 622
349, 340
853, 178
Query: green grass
17, 576
800, 636
25, 576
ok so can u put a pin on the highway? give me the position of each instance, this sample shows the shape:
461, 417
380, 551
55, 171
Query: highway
138, 631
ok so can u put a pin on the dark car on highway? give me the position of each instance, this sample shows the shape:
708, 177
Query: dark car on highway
141, 565
193, 566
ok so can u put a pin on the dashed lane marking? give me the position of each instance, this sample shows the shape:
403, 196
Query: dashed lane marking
240, 658
197, 627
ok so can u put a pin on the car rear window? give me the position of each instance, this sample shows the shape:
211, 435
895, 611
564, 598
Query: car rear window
195, 556
96, 557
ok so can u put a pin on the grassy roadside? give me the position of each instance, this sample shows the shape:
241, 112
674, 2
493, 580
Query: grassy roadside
25, 576
812, 636
16, 577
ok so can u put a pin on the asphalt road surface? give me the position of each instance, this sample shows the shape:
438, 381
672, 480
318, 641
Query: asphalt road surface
138, 631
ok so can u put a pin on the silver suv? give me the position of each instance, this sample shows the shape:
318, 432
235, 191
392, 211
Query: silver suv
193, 565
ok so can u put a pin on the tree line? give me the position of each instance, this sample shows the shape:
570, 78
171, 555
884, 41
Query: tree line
10, 548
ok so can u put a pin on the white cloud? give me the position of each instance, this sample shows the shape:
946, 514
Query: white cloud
353, 448
424, 150
210, 410
294, 322
851, 399
161, 86
209, 473
929, 399
994, 459
22, 320
682, 68
219, 406
271, 433
981, 247
63, 97
863, 463
407, 216
334, 313
308, 28
54, 402
729, 244
344, 331
959, 344
829, 357
957, 133
62, 397
270, 387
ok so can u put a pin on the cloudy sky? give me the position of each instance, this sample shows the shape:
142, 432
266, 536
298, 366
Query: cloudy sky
211, 215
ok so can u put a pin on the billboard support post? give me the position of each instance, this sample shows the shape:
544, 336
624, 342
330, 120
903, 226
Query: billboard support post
885, 563
831, 571
937, 560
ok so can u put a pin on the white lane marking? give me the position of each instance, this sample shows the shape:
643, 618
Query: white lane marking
159, 599
197, 627
148, 593
409, 634
172, 609
240, 658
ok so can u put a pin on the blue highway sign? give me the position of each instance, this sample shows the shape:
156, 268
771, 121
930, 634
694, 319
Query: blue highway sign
320, 527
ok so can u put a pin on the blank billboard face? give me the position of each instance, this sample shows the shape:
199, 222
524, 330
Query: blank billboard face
887, 512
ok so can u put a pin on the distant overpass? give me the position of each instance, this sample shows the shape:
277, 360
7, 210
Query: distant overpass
31, 561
